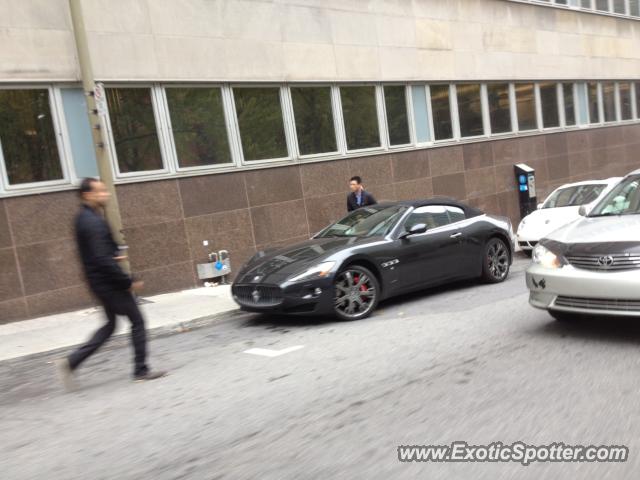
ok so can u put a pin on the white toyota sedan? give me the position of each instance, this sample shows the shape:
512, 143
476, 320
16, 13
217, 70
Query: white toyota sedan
560, 208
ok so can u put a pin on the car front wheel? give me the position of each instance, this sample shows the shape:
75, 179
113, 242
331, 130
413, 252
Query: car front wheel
495, 263
357, 292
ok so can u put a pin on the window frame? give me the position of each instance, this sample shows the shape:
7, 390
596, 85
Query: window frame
483, 111
380, 115
453, 108
559, 107
334, 114
173, 152
62, 142
286, 121
160, 117
408, 106
536, 107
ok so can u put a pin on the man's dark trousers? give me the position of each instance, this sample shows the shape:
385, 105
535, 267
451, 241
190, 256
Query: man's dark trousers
117, 303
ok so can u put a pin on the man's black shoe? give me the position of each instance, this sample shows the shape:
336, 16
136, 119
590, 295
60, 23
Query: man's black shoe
150, 376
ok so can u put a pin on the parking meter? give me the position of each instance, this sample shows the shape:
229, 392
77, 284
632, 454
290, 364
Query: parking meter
526, 182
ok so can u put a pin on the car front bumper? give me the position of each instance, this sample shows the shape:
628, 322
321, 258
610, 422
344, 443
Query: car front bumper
571, 289
305, 298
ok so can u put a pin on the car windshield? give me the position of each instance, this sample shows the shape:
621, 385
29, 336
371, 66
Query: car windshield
574, 196
623, 199
365, 222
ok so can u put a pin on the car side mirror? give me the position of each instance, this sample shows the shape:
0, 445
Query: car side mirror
539, 206
582, 211
416, 229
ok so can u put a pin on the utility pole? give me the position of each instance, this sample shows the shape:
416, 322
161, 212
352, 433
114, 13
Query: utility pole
97, 122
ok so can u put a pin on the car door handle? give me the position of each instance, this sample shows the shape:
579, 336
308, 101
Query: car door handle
455, 235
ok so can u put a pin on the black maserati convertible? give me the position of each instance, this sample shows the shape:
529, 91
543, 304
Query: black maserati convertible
374, 253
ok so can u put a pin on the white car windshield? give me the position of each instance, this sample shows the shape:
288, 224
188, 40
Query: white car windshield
623, 199
574, 196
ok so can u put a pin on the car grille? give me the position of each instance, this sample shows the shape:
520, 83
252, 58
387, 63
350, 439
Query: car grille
614, 304
614, 262
258, 295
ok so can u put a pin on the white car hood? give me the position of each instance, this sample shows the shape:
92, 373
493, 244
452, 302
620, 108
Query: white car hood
541, 222
615, 228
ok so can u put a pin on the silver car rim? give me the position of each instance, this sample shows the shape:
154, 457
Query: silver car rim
355, 294
498, 260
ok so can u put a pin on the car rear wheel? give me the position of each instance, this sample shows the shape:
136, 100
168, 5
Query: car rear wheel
356, 293
495, 263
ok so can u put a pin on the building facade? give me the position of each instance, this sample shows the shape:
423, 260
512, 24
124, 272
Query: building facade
239, 122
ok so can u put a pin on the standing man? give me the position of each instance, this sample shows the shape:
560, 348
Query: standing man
110, 284
358, 196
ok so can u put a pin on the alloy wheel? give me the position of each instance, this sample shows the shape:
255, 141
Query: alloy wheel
497, 259
356, 293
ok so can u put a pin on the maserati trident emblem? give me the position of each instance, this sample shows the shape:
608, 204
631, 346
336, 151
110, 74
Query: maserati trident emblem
255, 295
605, 261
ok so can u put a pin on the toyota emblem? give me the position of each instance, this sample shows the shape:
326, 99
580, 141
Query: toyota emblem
605, 261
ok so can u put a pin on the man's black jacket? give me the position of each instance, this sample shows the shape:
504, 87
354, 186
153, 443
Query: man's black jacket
352, 201
98, 251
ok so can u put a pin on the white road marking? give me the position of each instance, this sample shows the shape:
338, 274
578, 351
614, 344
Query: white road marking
265, 352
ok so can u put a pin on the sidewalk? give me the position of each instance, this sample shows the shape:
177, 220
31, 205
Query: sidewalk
168, 310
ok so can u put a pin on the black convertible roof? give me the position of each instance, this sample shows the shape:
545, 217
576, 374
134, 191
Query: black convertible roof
468, 210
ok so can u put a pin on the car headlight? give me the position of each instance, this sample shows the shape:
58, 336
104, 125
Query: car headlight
543, 256
318, 271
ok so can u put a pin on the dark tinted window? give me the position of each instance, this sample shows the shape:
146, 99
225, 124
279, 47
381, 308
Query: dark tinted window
360, 117
499, 111
314, 120
470, 110
441, 112
395, 101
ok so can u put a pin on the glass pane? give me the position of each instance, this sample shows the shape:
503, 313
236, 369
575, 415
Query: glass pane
260, 122
549, 105
586, 4
314, 120
618, 6
199, 129
634, 8
569, 104
602, 5
27, 137
470, 110
420, 113
592, 94
625, 101
582, 103
360, 117
526, 106
134, 129
560, 2
80, 137
395, 101
499, 111
441, 112
609, 101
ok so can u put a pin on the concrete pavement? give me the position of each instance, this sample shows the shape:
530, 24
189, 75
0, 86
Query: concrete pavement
170, 311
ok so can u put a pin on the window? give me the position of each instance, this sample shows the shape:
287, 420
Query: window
499, 107
602, 5
634, 8
619, 6
549, 105
27, 137
420, 113
433, 216
133, 126
395, 102
441, 112
314, 120
198, 125
526, 106
582, 103
455, 214
569, 104
623, 199
470, 110
260, 122
609, 101
574, 196
586, 4
80, 137
360, 117
626, 112
592, 95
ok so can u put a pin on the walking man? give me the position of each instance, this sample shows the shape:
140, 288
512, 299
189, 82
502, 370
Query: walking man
358, 196
110, 284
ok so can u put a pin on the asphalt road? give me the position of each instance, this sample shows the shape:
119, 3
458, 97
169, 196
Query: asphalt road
468, 362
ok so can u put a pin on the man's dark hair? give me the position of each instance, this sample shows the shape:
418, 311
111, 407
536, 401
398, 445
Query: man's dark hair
86, 185
356, 179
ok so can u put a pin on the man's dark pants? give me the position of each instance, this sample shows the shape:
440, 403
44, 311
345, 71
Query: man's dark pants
116, 303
